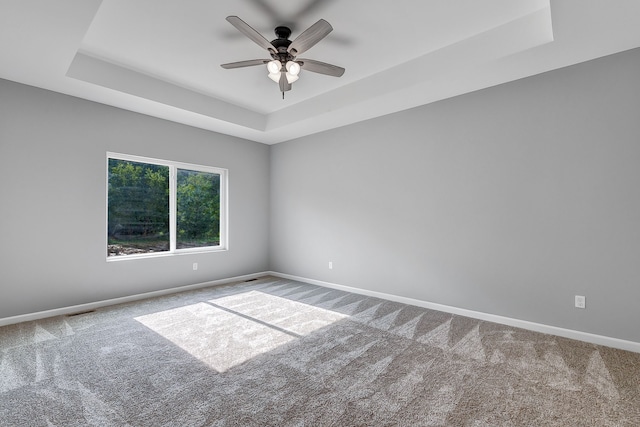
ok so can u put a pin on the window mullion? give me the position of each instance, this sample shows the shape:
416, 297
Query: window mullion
172, 207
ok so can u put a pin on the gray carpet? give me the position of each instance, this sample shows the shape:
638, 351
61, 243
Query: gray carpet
274, 352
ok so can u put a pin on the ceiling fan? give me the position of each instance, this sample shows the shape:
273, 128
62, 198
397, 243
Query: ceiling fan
284, 66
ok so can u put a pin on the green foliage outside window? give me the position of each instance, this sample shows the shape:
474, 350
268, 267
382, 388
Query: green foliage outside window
198, 209
138, 208
138, 202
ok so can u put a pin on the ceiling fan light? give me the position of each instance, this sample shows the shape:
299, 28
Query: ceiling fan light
291, 78
293, 68
275, 77
274, 66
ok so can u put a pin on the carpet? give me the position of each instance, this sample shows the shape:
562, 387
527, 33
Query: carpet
275, 352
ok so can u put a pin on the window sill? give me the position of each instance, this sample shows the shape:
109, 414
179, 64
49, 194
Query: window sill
181, 252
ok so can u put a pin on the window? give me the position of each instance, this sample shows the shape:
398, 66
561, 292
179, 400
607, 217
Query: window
163, 207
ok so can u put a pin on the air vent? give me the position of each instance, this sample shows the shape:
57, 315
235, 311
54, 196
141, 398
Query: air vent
80, 313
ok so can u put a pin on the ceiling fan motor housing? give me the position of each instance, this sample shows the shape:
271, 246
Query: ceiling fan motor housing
281, 44
282, 32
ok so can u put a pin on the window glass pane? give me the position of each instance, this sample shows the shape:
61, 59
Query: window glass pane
198, 209
138, 217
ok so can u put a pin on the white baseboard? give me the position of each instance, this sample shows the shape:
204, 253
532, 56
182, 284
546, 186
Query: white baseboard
93, 305
524, 324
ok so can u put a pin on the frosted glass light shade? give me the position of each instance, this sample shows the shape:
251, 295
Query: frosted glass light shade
291, 78
293, 68
275, 77
274, 66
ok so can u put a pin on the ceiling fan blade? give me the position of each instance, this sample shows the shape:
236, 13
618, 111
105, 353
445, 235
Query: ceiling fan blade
240, 64
320, 67
284, 84
248, 31
310, 37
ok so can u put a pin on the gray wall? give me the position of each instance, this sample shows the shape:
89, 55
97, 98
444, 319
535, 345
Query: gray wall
509, 200
53, 204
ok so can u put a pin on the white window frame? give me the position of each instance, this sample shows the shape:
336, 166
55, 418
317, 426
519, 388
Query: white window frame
173, 167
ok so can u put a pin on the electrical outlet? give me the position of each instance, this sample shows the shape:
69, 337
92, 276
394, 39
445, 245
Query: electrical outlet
195, 265
330, 265
581, 301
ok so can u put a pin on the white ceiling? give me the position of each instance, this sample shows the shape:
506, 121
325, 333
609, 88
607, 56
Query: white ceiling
162, 57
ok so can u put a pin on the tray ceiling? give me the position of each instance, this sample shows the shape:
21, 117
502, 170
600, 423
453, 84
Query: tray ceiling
162, 58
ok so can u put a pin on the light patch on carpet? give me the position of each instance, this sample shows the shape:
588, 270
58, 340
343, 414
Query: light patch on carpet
366, 315
438, 337
41, 367
292, 316
314, 299
344, 358
559, 375
409, 328
214, 336
230, 330
42, 334
385, 322
350, 308
598, 376
9, 377
331, 303
471, 345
